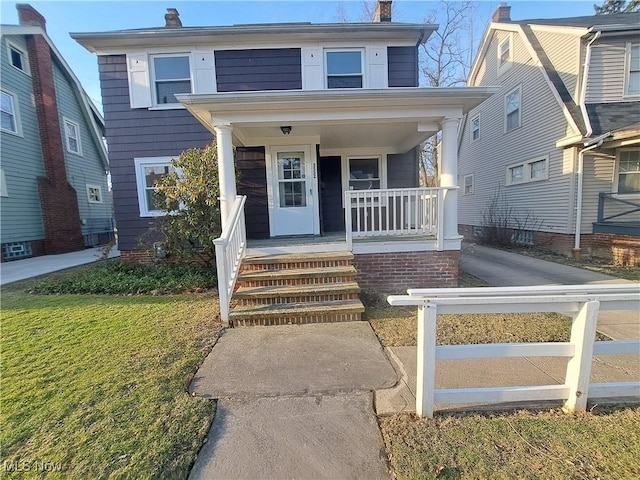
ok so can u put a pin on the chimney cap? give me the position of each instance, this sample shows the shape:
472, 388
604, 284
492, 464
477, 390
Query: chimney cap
172, 18
383, 11
27, 15
502, 13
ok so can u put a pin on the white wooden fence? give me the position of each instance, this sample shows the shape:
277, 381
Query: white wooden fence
231, 248
583, 302
394, 212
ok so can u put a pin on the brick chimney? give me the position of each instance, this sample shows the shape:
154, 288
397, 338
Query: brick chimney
172, 18
58, 199
502, 13
383, 11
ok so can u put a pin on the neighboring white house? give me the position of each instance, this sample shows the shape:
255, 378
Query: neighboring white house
559, 145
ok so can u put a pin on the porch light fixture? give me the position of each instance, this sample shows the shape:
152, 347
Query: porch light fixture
286, 130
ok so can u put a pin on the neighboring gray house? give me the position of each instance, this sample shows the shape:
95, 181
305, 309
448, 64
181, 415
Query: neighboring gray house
313, 117
561, 140
54, 196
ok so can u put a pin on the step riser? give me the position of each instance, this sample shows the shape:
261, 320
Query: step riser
298, 299
250, 267
297, 281
296, 320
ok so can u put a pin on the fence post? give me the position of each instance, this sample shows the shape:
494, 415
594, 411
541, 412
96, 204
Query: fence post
426, 371
583, 334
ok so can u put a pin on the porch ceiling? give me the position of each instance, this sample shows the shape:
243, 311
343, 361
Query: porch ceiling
396, 119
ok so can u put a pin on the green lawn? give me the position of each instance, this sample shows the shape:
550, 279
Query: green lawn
95, 385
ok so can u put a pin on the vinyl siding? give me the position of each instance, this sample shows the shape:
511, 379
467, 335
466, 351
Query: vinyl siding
542, 123
563, 51
258, 69
21, 158
598, 177
606, 71
251, 166
87, 168
136, 133
402, 170
403, 66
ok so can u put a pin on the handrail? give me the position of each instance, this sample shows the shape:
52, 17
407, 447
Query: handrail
602, 196
231, 248
582, 301
395, 212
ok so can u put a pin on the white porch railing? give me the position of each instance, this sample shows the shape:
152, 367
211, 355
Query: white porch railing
394, 212
231, 248
583, 302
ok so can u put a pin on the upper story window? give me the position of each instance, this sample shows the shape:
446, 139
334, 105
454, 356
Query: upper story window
171, 75
94, 193
632, 86
9, 120
18, 58
505, 54
512, 109
72, 135
628, 171
344, 68
475, 128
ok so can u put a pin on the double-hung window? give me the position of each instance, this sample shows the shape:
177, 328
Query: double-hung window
9, 121
629, 171
344, 68
475, 128
505, 54
149, 171
171, 75
632, 83
72, 136
512, 109
18, 58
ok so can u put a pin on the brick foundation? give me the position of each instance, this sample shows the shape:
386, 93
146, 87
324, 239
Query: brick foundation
617, 249
142, 257
398, 271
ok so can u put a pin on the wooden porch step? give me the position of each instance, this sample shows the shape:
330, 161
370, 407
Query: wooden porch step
297, 313
272, 294
297, 260
297, 276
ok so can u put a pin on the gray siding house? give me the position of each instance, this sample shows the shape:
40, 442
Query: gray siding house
313, 117
559, 144
54, 195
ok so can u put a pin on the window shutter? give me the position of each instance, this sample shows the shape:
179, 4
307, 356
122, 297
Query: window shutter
139, 84
377, 67
204, 72
312, 71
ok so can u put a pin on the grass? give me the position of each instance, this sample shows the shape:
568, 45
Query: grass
603, 443
95, 385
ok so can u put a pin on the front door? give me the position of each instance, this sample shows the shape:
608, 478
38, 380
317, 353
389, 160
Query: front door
293, 205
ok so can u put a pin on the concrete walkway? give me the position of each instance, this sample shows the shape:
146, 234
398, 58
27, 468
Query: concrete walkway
18, 270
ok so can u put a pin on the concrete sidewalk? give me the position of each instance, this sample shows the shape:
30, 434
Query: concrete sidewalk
18, 270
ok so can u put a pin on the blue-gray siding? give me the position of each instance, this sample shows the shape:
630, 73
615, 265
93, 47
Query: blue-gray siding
137, 133
21, 158
403, 66
258, 69
402, 170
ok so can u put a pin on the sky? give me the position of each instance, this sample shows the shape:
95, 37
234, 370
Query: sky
64, 17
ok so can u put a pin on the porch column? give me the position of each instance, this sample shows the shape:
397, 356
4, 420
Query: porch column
449, 176
226, 171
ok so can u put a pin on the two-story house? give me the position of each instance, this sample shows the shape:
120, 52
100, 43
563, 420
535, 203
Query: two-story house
54, 194
313, 117
559, 145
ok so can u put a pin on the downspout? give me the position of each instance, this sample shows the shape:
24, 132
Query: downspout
587, 134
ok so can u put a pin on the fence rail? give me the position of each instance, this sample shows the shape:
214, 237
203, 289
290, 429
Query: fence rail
613, 200
394, 212
582, 301
231, 248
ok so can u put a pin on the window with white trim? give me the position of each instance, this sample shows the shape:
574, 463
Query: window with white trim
72, 136
171, 75
3, 185
344, 68
632, 80
9, 118
628, 171
94, 193
475, 128
505, 54
149, 171
467, 185
530, 171
365, 173
512, 109
18, 58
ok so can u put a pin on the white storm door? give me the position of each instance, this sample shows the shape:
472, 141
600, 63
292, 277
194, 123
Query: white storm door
293, 193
